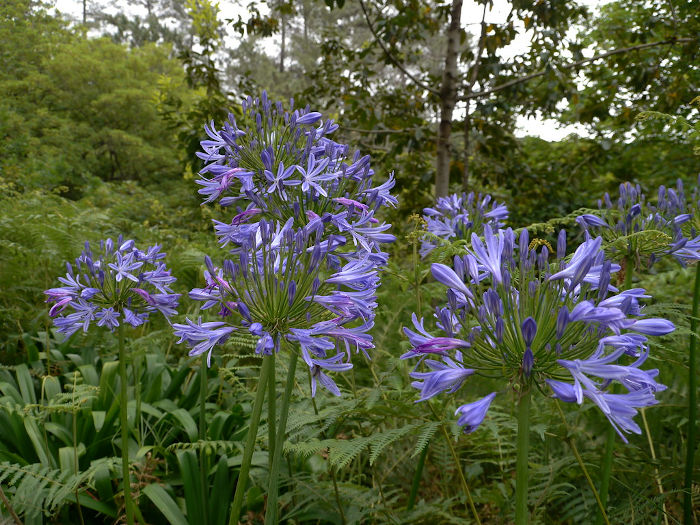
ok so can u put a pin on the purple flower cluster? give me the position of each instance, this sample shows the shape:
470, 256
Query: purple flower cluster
304, 241
513, 316
631, 213
119, 283
461, 215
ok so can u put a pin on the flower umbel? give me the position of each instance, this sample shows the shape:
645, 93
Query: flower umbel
119, 283
518, 319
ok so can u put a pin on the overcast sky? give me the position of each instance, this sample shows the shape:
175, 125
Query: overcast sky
547, 129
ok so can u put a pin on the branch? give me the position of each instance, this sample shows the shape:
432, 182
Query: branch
578, 63
477, 59
391, 57
383, 131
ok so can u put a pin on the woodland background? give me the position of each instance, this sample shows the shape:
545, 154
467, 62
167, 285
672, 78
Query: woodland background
99, 122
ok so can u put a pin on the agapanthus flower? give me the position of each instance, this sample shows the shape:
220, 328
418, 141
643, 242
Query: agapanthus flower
305, 242
668, 222
282, 163
516, 317
458, 216
118, 284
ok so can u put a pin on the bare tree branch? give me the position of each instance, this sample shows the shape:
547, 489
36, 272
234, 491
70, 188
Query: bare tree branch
391, 57
384, 131
520, 80
477, 58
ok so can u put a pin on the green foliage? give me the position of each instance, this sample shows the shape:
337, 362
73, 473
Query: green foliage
40, 489
93, 139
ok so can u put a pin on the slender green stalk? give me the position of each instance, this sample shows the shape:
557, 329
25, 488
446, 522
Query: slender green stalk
136, 368
203, 457
522, 516
331, 471
421, 459
271, 413
416, 478
9, 508
462, 479
271, 514
124, 419
581, 464
692, 403
606, 469
265, 373
659, 485
76, 464
416, 276
606, 465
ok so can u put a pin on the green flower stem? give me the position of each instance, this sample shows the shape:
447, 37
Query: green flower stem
124, 419
331, 470
522, 516
416, 276
581, 464
203, 459
421, 459
462, 479
271, 514
692, 403
659, 485
416, 478
606, 469
271, 413
265, 373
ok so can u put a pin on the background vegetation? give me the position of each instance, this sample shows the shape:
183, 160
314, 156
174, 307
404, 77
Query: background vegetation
99, 122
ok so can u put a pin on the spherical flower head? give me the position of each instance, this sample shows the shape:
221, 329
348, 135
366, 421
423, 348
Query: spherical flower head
277, 164
516, 317
119, 283
312, 290
457, 217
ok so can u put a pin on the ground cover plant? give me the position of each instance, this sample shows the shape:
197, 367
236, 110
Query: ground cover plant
235, 307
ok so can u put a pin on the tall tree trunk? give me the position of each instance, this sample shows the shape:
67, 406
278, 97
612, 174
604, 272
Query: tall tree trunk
448, 100
467, 138
283, 24
84, 12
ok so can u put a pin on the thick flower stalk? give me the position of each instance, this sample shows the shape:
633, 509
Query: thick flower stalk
458, 216
534, 325
118, 284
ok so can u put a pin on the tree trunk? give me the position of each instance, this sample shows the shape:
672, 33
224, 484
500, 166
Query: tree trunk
283, 24
467, 130
448, 100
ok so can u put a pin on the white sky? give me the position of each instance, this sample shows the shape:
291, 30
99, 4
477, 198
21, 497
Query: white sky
548, 129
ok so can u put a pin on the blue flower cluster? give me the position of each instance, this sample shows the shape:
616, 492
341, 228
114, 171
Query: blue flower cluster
304, 242
512, 315
631, 213
461, 215
119, 282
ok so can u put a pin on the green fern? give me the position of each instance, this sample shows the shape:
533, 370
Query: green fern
35, 488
